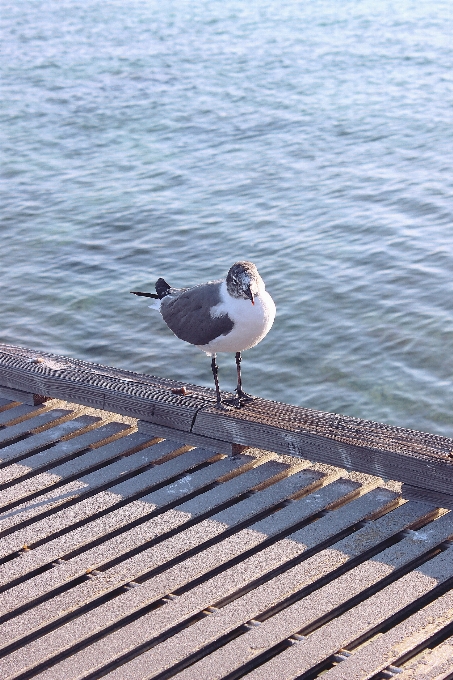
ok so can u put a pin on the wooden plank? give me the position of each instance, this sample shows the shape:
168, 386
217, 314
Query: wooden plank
9, 433
25, 447
366, 446
52, 498
262, 414
185, 437
432, 664
130, 601
221, 471
114, 547
163, 656
16, 412
102, 501
110, 389
400, 640
5, 403
283, 429
195, 600
94, 583
16, 359
363, 618
48, 611
59, 451
442, 500
54, 484
22, 448
102, 527
24, 397
27, 490
316, 605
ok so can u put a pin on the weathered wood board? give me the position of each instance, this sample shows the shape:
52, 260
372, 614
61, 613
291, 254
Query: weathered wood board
131, 394
123, 556
421, 460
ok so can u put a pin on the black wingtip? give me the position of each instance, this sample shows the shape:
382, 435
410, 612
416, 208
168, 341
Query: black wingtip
150, 295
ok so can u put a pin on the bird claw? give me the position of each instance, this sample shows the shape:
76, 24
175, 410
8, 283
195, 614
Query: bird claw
234, 402
244, 396
240, 400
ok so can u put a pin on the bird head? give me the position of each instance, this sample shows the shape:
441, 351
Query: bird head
243, 281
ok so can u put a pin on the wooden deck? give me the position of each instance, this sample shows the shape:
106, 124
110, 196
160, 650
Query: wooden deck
133, 549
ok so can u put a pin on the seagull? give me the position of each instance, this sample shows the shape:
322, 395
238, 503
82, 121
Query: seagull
227, 315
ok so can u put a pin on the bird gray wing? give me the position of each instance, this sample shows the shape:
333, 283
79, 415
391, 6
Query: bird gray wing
188, 314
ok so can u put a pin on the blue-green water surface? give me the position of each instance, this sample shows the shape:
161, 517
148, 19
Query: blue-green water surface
171, 138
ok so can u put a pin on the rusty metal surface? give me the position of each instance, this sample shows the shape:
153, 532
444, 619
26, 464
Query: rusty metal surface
125, 555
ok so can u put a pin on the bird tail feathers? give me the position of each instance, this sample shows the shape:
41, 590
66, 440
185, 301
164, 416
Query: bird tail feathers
162, 289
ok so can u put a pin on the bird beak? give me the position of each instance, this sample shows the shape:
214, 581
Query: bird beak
249, 294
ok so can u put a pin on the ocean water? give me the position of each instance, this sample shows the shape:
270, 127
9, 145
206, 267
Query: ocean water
172, 138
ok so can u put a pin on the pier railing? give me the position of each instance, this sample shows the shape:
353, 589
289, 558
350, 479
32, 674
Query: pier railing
422, 461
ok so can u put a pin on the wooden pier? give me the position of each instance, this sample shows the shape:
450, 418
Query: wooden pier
145, 534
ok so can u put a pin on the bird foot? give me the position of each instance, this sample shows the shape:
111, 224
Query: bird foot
244, 396
239, 400
234, 402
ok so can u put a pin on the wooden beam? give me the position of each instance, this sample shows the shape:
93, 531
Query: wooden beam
24, 397
441, 500
416, 458
132, 394
421, 460
187, 437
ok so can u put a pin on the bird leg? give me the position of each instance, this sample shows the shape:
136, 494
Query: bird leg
241, 394
223, 405
215, 373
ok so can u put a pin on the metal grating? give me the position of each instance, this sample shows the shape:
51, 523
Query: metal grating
127, 556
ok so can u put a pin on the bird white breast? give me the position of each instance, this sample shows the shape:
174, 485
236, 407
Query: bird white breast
251, 322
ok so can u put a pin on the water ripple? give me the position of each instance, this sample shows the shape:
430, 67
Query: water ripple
146, 139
